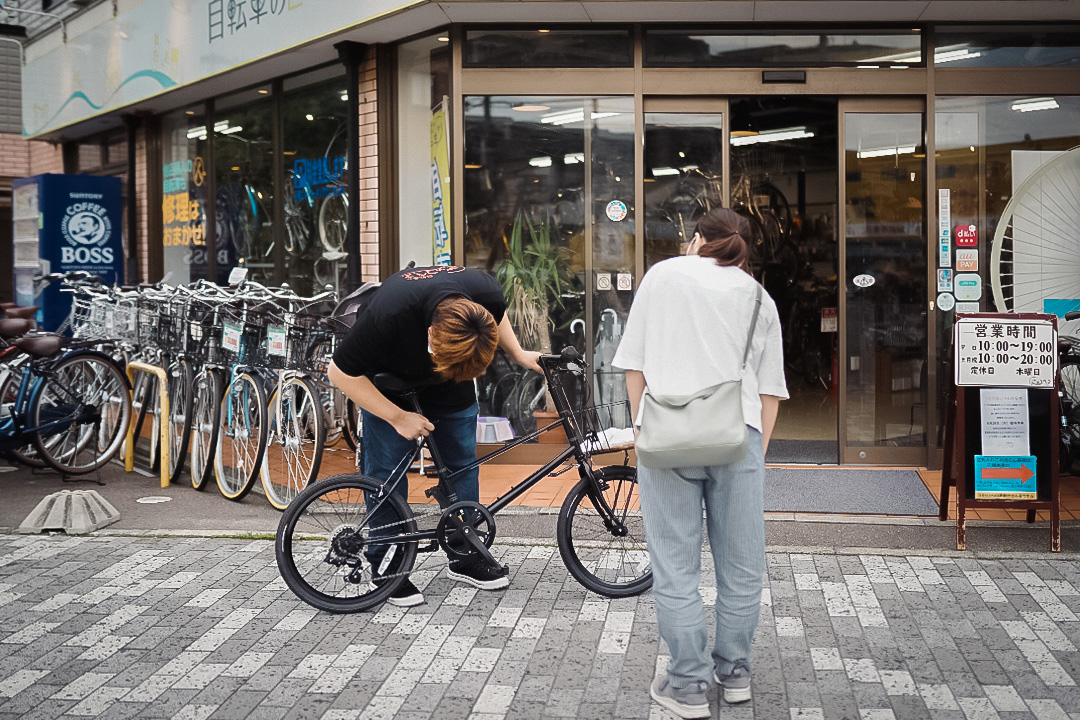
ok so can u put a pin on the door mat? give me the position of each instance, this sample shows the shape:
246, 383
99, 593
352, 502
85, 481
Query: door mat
803, 452
849, 491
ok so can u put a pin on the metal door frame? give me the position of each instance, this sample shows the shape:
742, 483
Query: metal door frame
880, 455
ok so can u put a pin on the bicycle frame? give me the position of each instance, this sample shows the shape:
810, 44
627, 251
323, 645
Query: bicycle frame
443, 490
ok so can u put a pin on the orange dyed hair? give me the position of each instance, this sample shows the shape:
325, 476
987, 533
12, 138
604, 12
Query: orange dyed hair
464, 336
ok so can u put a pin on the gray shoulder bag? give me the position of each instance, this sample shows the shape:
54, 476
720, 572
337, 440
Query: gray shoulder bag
703, 429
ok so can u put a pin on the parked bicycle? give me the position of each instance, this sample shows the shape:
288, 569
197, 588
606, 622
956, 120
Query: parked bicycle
328, 553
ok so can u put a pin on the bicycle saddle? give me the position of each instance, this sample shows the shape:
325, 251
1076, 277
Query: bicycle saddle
40, 345
400, 386
15, 327
21, 312
6, 305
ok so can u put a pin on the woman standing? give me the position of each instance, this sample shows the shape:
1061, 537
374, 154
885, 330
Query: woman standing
687, 331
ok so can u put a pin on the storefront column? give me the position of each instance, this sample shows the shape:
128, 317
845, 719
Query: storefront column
352, 54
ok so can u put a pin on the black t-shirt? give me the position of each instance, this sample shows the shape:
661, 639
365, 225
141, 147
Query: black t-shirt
391, 333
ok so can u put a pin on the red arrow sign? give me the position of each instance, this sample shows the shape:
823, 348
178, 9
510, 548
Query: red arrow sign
1022, 473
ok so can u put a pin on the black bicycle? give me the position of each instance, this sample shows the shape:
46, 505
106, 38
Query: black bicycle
1069, 397
334, 558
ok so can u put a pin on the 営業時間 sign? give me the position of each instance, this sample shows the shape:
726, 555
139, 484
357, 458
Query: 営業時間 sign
1005, 353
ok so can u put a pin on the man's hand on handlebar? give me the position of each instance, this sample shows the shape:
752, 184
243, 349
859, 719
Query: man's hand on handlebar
411, 426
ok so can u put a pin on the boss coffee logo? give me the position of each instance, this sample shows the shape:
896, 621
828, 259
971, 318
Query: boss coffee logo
86, 227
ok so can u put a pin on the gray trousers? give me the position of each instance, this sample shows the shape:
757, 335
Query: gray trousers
733, 497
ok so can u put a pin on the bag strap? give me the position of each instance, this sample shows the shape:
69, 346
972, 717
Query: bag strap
753, 323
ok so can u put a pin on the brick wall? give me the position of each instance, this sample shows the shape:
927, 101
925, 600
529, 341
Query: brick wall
142, 170
20, 158
369, 171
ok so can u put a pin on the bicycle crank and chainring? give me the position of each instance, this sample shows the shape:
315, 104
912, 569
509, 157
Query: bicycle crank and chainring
463, 528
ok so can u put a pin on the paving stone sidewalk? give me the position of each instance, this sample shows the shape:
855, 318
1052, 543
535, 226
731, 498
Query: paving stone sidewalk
121, 627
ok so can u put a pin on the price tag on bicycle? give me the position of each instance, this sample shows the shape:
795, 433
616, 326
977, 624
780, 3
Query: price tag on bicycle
230, 337
1005, 353
275, 338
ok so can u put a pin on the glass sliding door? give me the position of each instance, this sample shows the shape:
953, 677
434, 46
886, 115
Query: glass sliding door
885, 296
550, 211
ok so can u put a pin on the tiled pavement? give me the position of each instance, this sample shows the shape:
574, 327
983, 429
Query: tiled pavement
125, 627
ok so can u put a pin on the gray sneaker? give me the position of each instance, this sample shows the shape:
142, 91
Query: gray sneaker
688, 702
736, 685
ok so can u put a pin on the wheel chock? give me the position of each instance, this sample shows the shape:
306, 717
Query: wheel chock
75, 512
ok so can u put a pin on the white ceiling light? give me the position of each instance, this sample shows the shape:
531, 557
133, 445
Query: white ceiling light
948, 56
543, 161
573, 158
573, 116
765, 136
661, 171
1042, 103
883, 152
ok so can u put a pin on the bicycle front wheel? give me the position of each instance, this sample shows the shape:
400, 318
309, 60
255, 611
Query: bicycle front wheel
609, 559
241, 437
180, 384
205, 409
294, 446
328, 550
9, 394
82, 409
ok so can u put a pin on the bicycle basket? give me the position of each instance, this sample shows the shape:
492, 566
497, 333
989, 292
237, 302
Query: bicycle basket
147, 321
604, 427
125, 317
242, 334
81, 314
198, 321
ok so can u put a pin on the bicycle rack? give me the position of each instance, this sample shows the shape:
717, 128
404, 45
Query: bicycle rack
163, 423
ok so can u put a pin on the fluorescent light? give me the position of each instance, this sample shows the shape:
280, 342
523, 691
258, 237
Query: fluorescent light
1043, 103
866, 67
310, 117
573, 116
543, 161
443, 38
573, 158
229, 130
344, 96
661, 171
954, 55
531, 108
795, 133
884, 152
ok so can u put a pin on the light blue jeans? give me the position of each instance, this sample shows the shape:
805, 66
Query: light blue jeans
734, 498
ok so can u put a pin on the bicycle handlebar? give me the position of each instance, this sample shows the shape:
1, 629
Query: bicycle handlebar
568, 356
1072, 315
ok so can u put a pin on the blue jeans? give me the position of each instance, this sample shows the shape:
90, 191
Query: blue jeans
734, 499
385, 451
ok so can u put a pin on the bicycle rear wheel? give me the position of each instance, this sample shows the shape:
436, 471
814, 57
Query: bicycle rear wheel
326, 551
205, 413
294, 446
241, 437
611, 561
83, 408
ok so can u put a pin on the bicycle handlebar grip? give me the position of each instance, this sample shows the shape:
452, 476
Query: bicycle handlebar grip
1072, 315
571, 355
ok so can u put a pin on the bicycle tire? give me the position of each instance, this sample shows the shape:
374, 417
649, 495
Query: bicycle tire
334, 222
9, 393
618, 484
353, 429
181, 379
242, 432
305, 534
205, 412
144, 399
295, 441
99, 415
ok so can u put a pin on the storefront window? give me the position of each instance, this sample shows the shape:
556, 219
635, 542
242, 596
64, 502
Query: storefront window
758, 48
986, 148
549, 189
545, 47
987, 46
244, 174
183, 195
423, 150
315, 196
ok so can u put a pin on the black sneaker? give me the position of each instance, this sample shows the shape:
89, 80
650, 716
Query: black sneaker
479, 574
406, 594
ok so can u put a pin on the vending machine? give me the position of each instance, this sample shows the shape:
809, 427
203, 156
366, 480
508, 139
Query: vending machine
64, 223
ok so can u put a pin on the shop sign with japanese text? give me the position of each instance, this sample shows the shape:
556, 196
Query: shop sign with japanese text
1004, 353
